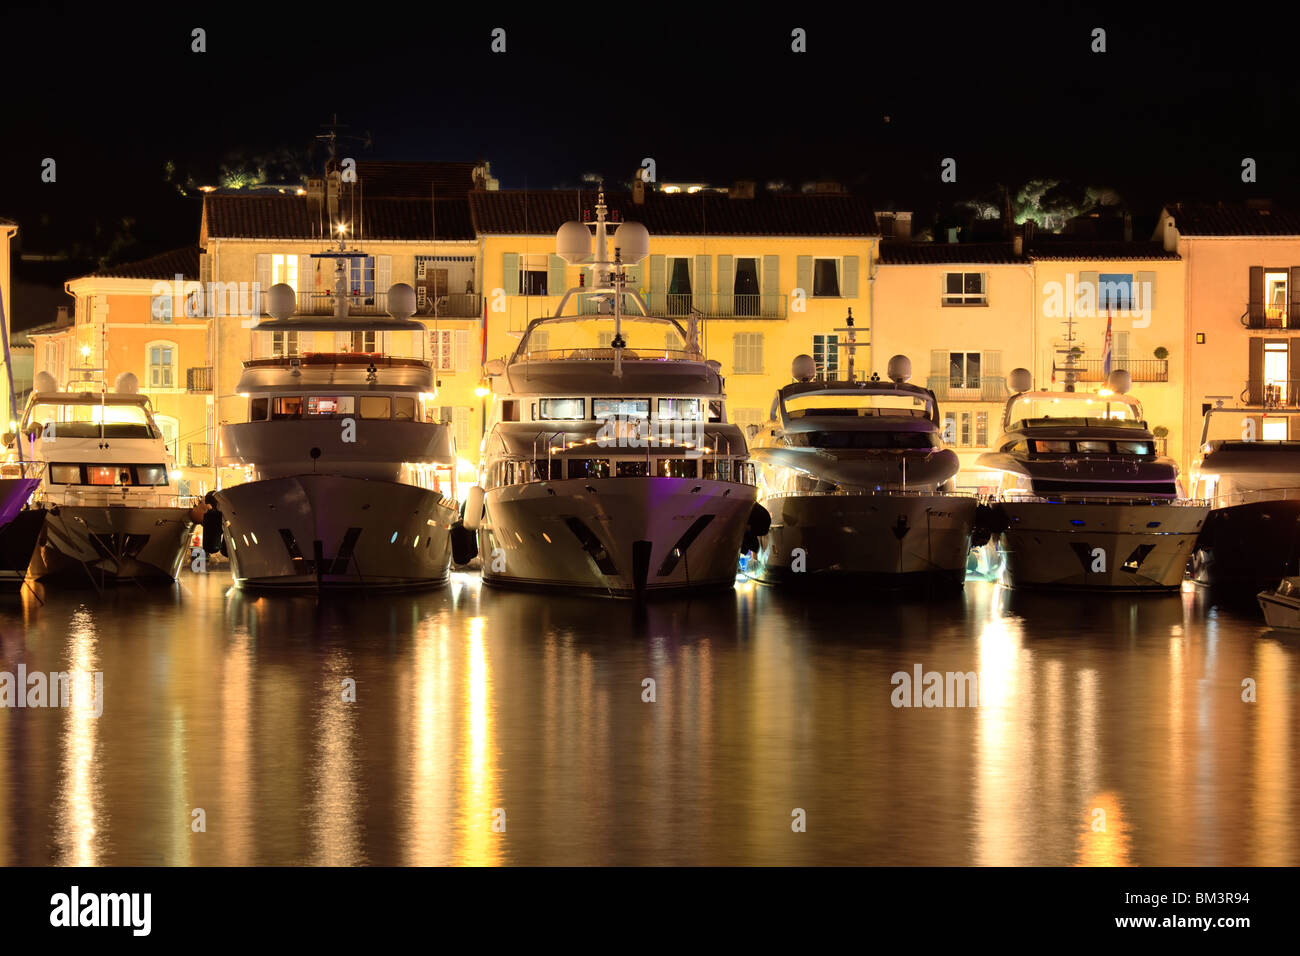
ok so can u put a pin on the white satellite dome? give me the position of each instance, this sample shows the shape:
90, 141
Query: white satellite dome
401, 300
632, 240
281, 300
1120, 381
126, 383
573, 242
1020, 380
803, 368
899, 369
45, 382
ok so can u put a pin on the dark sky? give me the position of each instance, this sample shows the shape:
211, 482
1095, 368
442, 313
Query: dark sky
113, 93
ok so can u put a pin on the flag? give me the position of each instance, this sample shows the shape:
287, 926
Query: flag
1105, 355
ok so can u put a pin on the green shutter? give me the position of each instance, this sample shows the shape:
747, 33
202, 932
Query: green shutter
940, 376
726, 286
771, 286
702, 284
658, 301
804, 275
849, 285
555, 284
510, 273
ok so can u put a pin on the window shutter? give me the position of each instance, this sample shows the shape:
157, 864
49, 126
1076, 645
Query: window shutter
1087, 280
726, 285
771, 284
939, 374
702, 281
539, 341
1120, 358
658, 284
994, 385
849, 281
1293, 298
1292, 363
1256, 307
510, 273
555, 284
738, 355
342, 341
264, 272
205, 267
756, 351
460, 359
1255, 386
1145, 297
804, 275
464, 441
383, 274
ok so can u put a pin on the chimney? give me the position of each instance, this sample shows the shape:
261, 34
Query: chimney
1018, 245
1170, 233
1128, 227
638, 191
952, 234
886, 222
903, 226
743, 189
61, 317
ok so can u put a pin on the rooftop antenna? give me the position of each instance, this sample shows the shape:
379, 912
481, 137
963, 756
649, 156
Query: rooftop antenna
1069, 367
852, 345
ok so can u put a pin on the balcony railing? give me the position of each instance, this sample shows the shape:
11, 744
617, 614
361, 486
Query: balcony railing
198, 455
717, 305
198, 379
1139, 370
1272, 393
462, 305
989, 388
1273, 317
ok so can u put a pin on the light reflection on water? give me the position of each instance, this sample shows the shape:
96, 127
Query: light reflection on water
496, 728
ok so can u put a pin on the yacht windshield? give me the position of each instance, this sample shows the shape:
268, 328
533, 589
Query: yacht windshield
855, 404
83, 420
592, 339
1080, 406
1230, 425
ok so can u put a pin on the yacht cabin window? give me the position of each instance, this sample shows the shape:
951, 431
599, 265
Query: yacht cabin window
375, 406
562, 409
680, 409
258, 408
286, 406
328, 405
620, 408
675, 467
404, 408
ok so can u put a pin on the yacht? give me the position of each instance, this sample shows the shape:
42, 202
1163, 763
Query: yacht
609, 466
21, 521
1248, 468
350, 477
859, 484
112, 508
1085, 501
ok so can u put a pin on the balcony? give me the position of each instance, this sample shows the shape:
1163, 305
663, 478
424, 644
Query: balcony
990, 388
718, 306
1272, 317
1272, 393
198, 379
198, 455
1139, 370
462, 305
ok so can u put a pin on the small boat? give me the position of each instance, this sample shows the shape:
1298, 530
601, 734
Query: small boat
1281, 606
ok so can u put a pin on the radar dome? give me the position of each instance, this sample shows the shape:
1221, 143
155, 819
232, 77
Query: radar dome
803, 368
126, 383
573, 242
45, 382
632, 240
281, 300
401, 301
1020, 380
1120, 381
900, 369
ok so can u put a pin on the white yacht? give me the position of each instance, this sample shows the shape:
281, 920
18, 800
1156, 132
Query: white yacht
350, 476
113, 511
609, 466
1248, 468
21, 520
859, 485
1085, 501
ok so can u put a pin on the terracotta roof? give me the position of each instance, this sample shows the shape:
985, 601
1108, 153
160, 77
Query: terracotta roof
677, 214
229, 216
415, 180
901, 253
1049, 247
1233, 219
7, 222
165, 266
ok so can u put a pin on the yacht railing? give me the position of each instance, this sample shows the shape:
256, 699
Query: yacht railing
874, 492
607, 355
76, 496
1077, 499
1254, 497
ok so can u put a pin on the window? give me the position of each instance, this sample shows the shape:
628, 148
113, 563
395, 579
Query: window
826, 355
746, 287
329, 405
675, 467
442, 345
532, 273
982, 429
965, 429
1275, 297
964, 369
375, 406
404, 408
1133, 447
257, 409
286, 406
365, 341
826, 277
284, 269
1274, 429
65, 474
680, 409
964, 288
588, 467
747, 353
744, 417
1114, 291
562, 409
362, 279
605, 339
679, 286
1275, 372
283, 344
169, 428
460, 423
633, 469
162, 364
620, 408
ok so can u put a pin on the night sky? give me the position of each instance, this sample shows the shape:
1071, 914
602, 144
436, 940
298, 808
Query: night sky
114, 94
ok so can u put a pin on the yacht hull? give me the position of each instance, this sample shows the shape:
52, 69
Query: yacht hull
330, 532
84, 544
18, 539
890, 541
1097, 546
619, 537
1249, 547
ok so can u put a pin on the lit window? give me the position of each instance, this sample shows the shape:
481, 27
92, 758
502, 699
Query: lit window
826, 355
162, 365
1274, 429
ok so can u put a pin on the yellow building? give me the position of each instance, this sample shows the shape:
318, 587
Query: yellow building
770, 275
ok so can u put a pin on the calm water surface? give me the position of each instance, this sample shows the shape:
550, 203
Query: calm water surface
471, 700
